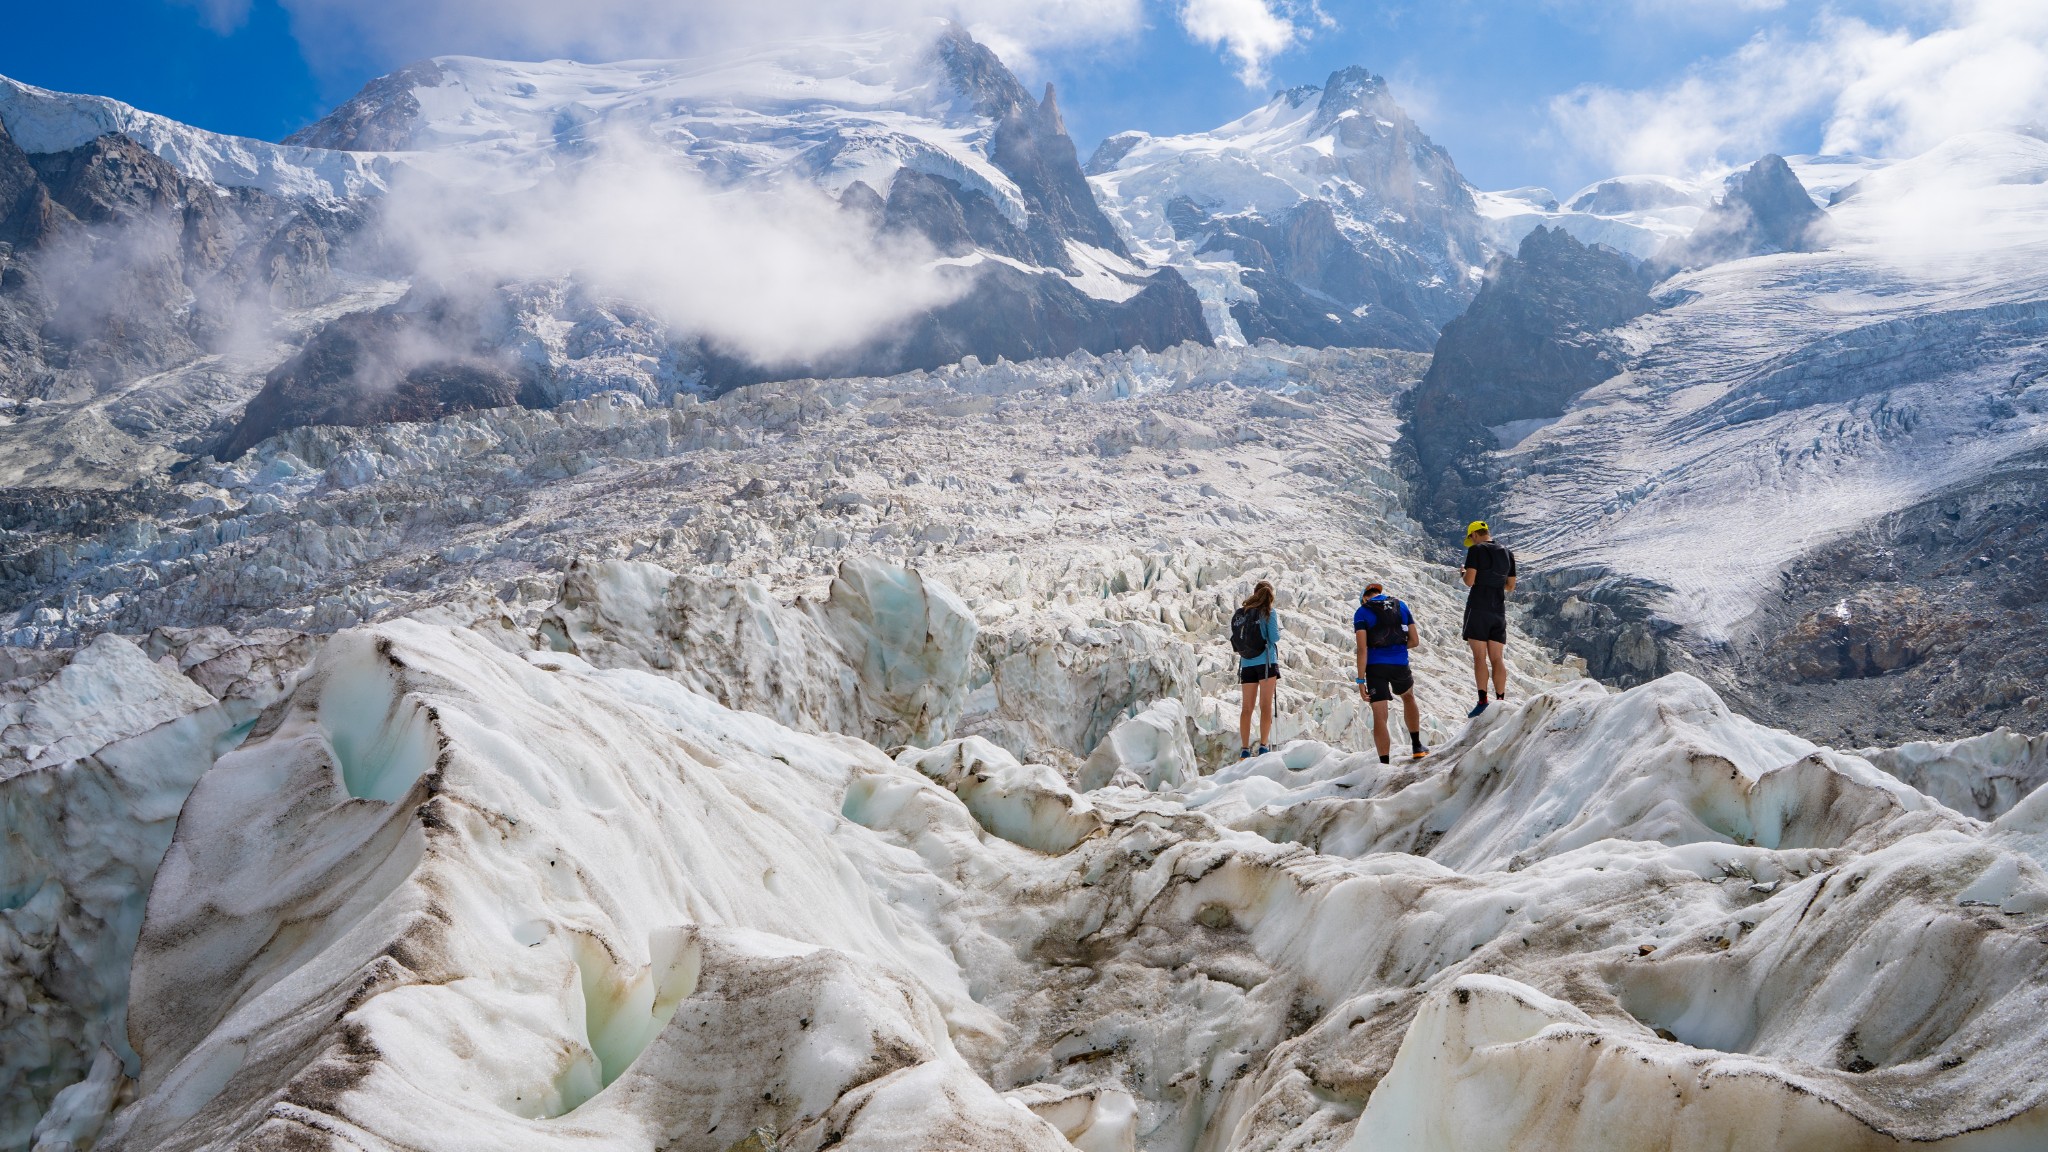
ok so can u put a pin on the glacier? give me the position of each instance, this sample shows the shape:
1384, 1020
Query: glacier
768, 772
453, 892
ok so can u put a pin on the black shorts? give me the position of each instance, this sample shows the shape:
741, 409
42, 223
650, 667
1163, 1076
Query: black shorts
1270, 670
1386, 681
1486, 626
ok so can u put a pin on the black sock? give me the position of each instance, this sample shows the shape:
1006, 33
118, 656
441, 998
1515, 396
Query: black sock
1482, 695
1415, 738
1386, 760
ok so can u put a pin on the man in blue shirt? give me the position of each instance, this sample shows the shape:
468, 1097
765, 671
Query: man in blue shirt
1385, 631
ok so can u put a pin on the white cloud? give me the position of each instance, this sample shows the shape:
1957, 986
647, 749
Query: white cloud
1874, 88
779, 276
341, 34
402, 30
1249, 30
1987, 69
222, 16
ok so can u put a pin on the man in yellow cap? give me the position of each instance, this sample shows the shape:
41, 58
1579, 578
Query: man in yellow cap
1490, 574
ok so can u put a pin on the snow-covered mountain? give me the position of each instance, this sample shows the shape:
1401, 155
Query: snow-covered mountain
959, 192
1325, 217
1827, 410
920, 131
1644, 215
45, 123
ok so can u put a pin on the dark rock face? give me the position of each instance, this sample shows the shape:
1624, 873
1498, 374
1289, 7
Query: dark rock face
1022, 317
1030, 146
1006, 313
1866, 633
1605, 620
956, 221
380, 118
1533, 340
118, 265
1932, 622
26, 213
1764, 210
1314, 285
381, 367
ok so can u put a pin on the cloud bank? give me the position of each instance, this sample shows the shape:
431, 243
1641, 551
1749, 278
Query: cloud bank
778, 276
404, 30
1867, 86
1251, 32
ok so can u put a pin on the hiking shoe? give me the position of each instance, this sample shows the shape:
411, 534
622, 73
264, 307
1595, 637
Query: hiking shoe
1244, 753
1263, 749
1476, 710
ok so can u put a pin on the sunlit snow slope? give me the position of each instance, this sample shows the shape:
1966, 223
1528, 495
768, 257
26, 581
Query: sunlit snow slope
1781, 402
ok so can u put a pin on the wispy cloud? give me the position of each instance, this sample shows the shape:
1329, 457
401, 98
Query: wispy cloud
398, 30
1251, 32
222, 16
1867, 85
778, 276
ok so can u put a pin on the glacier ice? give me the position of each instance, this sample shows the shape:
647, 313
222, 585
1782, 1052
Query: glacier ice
770, 772
594, 907
86, 823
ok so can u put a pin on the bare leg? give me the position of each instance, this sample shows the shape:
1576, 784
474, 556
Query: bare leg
1497, 655
1412, 713
1244, 718
1380, 740
1267, 688
1480, 663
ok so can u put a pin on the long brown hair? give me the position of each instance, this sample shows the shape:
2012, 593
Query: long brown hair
1260, 602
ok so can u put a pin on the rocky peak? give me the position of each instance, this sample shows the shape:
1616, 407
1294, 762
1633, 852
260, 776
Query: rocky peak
1764, 209
1534, 339
111, 178
24, 203
1298, 95
1112, 150
380, 118
1049, 112
979, 74
1781, 212
1354, 89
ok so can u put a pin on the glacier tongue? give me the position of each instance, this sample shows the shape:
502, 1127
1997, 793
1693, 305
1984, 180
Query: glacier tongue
777, 773
453, 895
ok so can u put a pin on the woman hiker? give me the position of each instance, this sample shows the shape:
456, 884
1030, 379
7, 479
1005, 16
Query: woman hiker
1255, 636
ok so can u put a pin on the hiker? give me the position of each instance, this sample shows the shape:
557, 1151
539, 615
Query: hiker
1386, 630
1255, 636
1490, 574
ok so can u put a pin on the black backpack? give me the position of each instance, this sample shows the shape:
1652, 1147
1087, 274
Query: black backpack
1387, 631
1247, 639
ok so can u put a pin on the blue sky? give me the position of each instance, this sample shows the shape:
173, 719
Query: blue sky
1520, 91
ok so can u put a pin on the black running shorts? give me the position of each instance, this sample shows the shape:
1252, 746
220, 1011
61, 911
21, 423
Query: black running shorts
1270, 670
1386, 681
1486, 626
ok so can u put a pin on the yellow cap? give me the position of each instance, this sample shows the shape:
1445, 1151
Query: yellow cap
1474, 529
